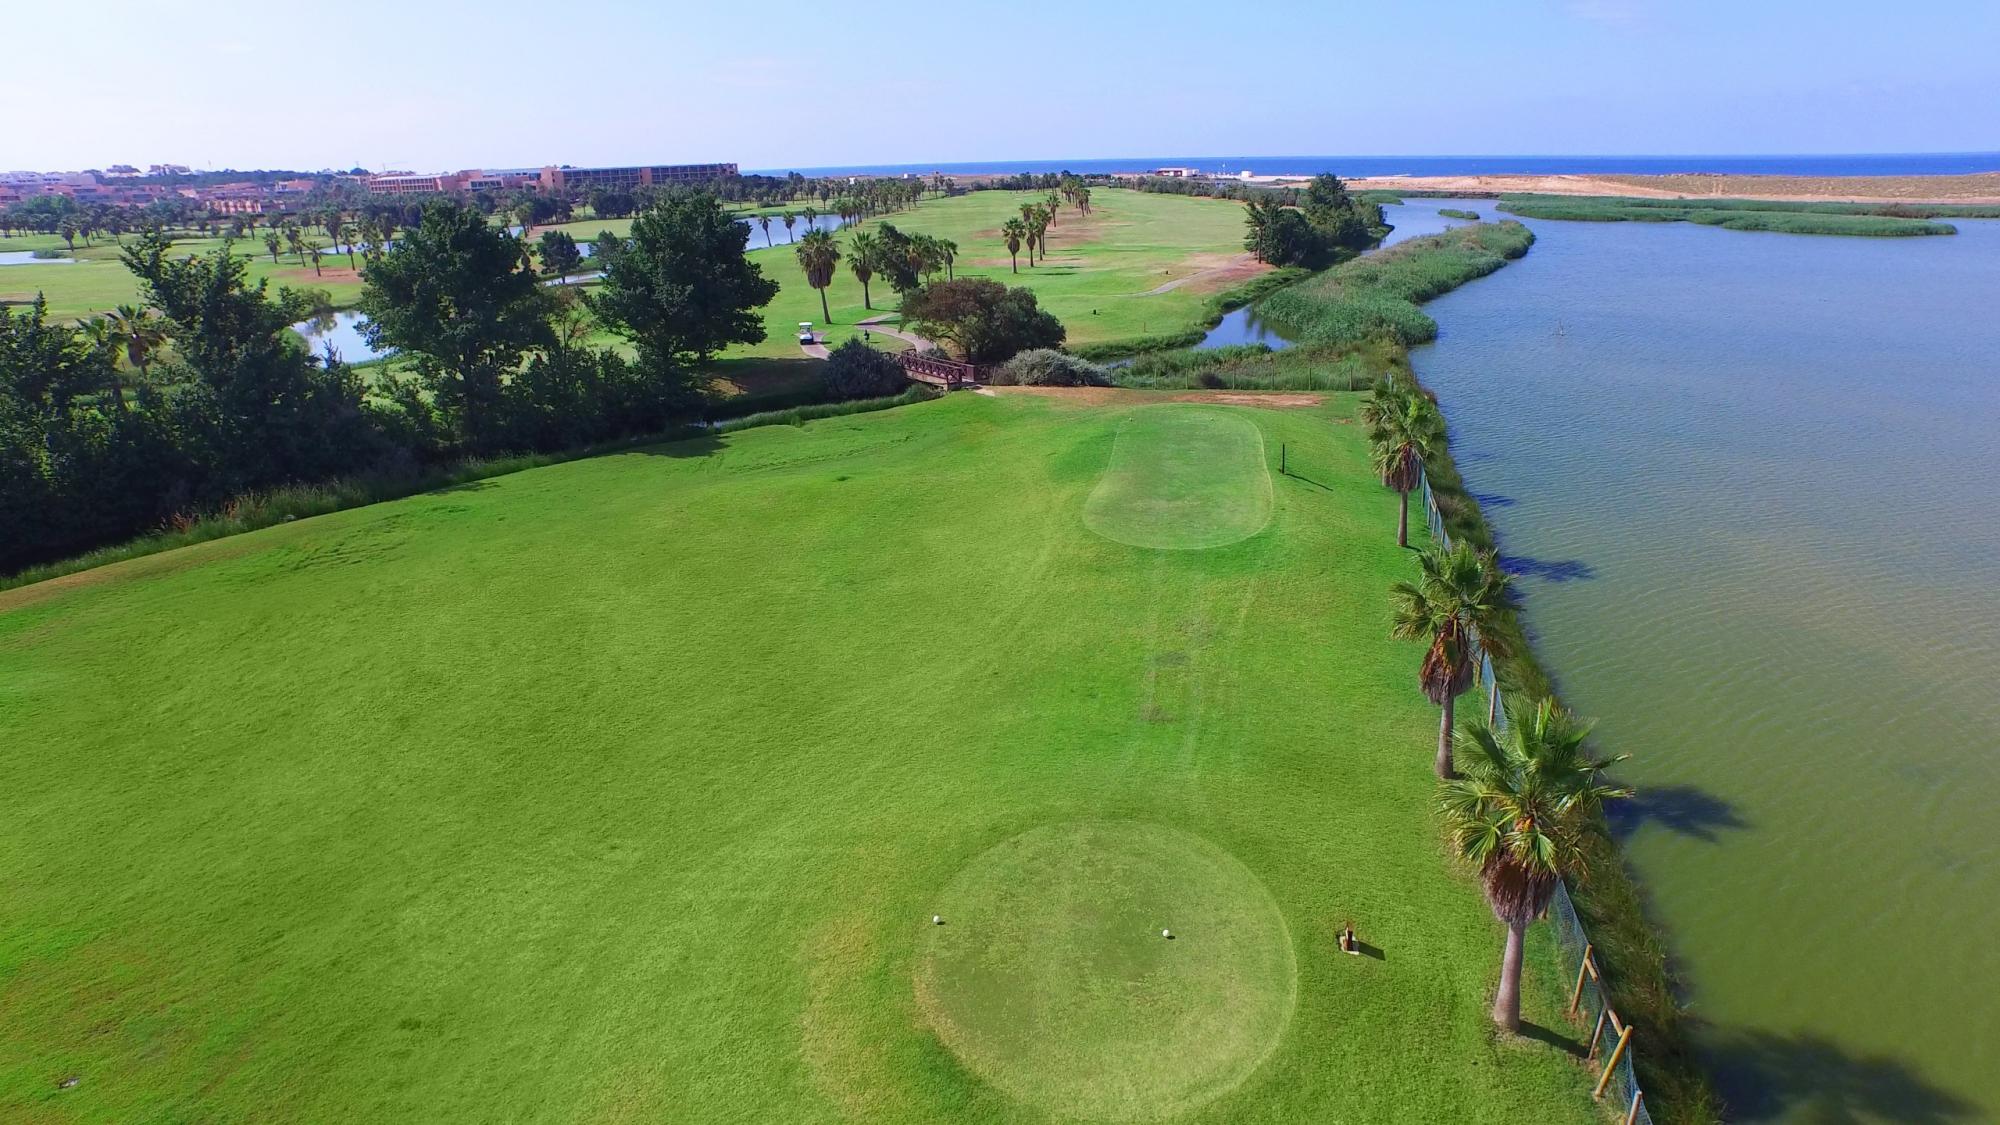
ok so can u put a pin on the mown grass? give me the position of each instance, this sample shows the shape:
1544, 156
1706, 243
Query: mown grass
625, 788
271, 507
1785, 218
1376, 297
97, 281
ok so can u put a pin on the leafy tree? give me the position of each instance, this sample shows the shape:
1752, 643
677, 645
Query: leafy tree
605, 248
983, 321
1461, 592
1014, 232
683, 288
452, 296
1521, 813
1405, 430
862, 251
559, 254
818, 256
855, 370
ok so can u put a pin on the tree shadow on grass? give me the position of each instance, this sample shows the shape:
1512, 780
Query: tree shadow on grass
1765, 1076
1554, 1038
1681, 809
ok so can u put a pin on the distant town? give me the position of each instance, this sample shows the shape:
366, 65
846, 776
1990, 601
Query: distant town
254, 193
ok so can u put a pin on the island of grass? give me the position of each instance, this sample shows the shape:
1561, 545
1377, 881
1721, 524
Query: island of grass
1868, 220
1459, 213
774, 775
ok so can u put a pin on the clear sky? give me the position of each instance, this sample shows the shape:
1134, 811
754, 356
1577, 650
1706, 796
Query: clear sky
432, 85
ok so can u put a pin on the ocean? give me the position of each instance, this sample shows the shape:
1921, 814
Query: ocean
1354, 167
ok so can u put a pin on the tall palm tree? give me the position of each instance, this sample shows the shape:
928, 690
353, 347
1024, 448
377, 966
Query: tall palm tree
818, 255
1461, 592
1039, 224
1521, 812
271, 243
765, 222
313, 249
862, 251
789, 220
948, 250
100, 335
1014, 232
809, 213
1405, 429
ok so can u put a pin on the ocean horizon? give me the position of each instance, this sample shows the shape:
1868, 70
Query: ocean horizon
1356, 167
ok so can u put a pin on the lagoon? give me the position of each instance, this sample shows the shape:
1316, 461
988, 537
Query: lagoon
1747, 481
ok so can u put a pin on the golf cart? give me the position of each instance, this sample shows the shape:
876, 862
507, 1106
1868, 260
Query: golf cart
806, 333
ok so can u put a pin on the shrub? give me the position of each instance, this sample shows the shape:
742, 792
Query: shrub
855, 370
1046, 367
983, 320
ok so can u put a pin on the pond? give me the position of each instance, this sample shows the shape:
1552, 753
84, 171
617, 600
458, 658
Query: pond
340, 331
27, 258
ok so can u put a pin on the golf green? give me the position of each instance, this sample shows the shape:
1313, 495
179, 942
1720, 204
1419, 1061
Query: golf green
1053, 975
1182, 477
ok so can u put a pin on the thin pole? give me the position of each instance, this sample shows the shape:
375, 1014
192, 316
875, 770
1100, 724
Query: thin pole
1582, 969
1597, 1034
1611, 1064
1632, 1114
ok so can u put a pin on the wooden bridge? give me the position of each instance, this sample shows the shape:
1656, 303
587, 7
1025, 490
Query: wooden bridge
947, 373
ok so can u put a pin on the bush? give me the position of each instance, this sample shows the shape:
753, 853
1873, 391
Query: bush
855, 370
1046, 367
983, 320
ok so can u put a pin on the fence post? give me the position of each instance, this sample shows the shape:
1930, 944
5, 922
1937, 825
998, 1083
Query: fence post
1597, 1034
1638, 1098
1582, 970
1611, 1064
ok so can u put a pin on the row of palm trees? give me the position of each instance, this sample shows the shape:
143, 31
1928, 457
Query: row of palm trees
819, 255
1525, 801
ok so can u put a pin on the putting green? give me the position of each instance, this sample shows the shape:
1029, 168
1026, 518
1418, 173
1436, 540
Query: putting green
1182, 478
1051, 980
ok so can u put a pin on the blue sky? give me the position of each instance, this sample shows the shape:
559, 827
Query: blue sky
428, 85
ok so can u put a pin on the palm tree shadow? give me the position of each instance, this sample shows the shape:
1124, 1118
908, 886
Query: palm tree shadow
1766, 1076
1549, 570
1556, 1039
1681, 809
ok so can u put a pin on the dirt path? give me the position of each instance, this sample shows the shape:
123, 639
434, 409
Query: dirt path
874, 324
1235, 269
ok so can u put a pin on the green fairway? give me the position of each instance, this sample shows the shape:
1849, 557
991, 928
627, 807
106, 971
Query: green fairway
97, 281
1182, 477
628, 788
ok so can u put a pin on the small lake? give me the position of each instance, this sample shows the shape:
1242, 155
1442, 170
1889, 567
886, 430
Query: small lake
1747, 482
780, 237
27, 258
342, 332
1413, 219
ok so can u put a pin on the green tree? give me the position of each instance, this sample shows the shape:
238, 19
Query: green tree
1014, 232
683, 288
862, 250
1405, 430
818, 256
140, 333
1460, 595
313, 250
272, 242
560, 256
790, 220
765, 222
982, 321
1520, 813
452, 296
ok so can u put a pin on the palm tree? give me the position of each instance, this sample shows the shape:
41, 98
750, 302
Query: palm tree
765, 222
141, 332
100, 335
1039, 224
789, 220
862, 251
810, 213
1521, 812
313, 249
1014, 232
818, 254
948, 250
1460, 595
271, 243
1404, 431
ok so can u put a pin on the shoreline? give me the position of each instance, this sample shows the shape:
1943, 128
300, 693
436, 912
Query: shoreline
1975, 188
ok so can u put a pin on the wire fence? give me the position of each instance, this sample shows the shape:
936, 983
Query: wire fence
1611, 1049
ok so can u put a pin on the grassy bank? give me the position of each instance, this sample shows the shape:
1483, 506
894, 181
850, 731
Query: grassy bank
283, 505
1857, 220
1376, 297
590, 792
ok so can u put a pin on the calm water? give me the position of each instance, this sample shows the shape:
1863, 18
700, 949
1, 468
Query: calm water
27, 258
1749, 482
342, 332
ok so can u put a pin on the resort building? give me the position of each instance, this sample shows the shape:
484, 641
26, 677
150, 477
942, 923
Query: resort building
566, 178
